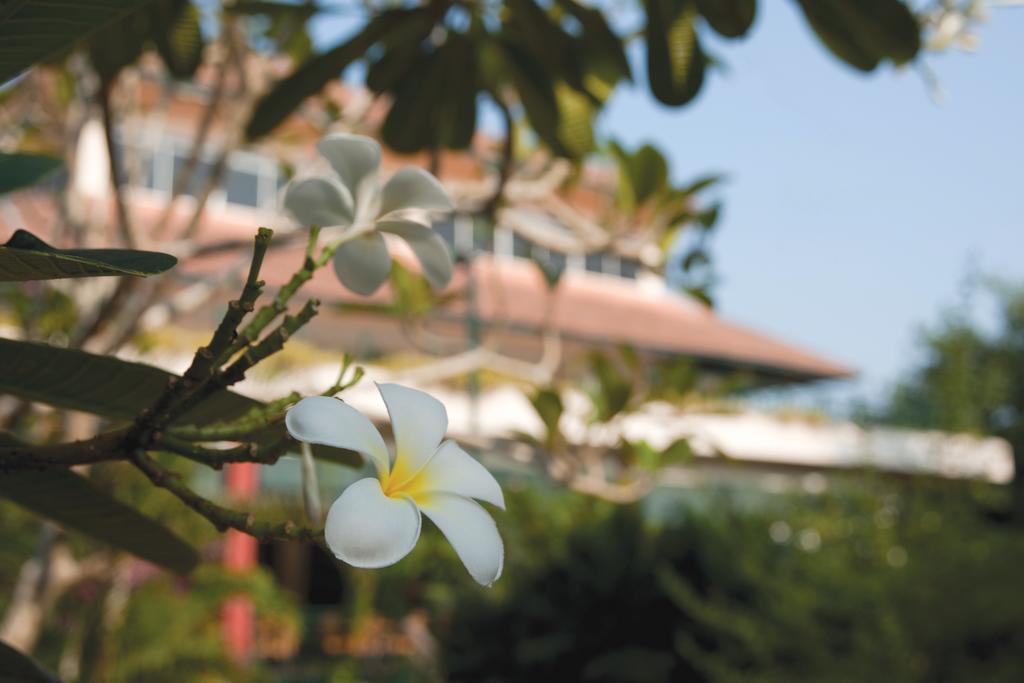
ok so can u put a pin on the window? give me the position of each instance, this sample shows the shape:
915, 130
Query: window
200, 176
242, 187
610, 265
593, 262
521, 247
630, 268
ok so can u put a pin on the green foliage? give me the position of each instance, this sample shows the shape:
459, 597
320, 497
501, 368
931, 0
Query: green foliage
26, 257
167, 638
17, 668
172, 26
614, 388
730, 18
30, 34
557, 61
675, 60
102, 385
18, 171
430, 108
287, 94
865, 585
970, 381
72, 501
863, 33
548, 404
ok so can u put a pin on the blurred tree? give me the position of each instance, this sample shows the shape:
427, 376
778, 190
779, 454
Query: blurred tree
972, 380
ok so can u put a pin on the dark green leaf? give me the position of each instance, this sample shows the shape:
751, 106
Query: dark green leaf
18, 668
730, 18
604, 55
116, 389
77, 504
119, 44
535, 88
30, 33
675, 61
288, 93
864, 32
26, 257
649, 173
402, 50
432, 110
551, 269
102, 385
24, 170
709, 217
177, 36
532, 29
548, 405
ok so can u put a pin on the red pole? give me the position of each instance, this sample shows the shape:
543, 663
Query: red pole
240, 555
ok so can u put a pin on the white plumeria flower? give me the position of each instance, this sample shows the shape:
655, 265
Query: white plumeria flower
376, 521
356, 203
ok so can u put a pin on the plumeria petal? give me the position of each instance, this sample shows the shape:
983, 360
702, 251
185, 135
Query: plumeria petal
419, 422
429, 247
453, 470
414, 188
355, 158
331, 422
363, 264
319, 201
369, 529
471, 531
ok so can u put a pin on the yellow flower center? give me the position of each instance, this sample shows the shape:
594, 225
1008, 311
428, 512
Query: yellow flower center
402, 482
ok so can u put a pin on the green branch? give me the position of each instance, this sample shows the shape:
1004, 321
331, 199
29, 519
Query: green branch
266, 314
221, 517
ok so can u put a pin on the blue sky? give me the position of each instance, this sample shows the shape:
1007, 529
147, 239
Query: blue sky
856, 205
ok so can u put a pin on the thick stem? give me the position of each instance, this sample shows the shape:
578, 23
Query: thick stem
108, 446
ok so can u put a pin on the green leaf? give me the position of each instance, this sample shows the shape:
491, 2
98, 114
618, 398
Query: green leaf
649, 173
533, 30
605, 58
675, 61
864, 32
614, 391
709, 217
117, 389
402, 50
548, 405
26, 257
178, 37
310, 78
77, 504
576, 114
534, 87
730, 18
18, 171
18, 668
30, 33
102, 385
430, 109
550, 269
702, 183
